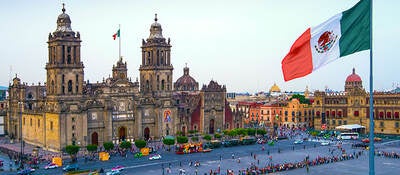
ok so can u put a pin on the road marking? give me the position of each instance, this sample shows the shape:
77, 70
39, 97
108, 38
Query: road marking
148, 164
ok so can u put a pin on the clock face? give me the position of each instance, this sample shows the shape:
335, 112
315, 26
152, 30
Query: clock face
94, 116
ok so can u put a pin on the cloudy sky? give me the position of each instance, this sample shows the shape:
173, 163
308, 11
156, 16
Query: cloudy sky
237, 43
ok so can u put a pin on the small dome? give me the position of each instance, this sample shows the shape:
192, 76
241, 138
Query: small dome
353, 77
274, 88
186, 82
155, 29
63, 22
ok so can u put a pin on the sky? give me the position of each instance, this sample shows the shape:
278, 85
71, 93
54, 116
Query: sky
237, 43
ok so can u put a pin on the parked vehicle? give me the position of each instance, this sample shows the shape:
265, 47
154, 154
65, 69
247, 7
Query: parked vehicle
71, 167
117, 168
155, 157
50, 166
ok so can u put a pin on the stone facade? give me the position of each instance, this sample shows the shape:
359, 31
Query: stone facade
352, 107
68, 110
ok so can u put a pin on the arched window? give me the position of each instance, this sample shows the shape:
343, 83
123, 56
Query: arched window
162, 84
70, 86
147, 85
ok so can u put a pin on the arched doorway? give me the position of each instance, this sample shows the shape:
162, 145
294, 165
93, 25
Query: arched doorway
183, 131
211, 128
95, 138
122, 133
146, 133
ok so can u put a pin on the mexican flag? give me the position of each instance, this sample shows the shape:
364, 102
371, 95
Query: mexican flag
343, 34
116, 35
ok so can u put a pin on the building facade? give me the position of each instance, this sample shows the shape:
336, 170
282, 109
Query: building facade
352, 107
68, 110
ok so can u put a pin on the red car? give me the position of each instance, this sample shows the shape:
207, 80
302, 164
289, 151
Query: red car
50, 166
117, 168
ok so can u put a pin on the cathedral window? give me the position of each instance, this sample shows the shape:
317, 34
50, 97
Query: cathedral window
74, 54
24, 121
38, 123
162, 57
162, 84
63, 90
63, 55
69, 86
51, 125
63, 79
30, 122
73, 127
68, 59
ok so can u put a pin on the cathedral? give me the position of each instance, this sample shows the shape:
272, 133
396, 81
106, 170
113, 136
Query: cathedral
69, 110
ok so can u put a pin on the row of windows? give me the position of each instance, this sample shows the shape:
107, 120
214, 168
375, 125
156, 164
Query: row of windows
38, 123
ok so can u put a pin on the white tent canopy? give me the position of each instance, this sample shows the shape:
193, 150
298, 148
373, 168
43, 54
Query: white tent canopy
350, 127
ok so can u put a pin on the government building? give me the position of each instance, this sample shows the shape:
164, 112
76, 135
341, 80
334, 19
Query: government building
69, 110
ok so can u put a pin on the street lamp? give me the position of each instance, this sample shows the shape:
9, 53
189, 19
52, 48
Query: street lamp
20, 104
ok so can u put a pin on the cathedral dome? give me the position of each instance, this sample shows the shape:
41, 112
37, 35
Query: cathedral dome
63, 22
186, 82
155, 29
275, 88
353, 77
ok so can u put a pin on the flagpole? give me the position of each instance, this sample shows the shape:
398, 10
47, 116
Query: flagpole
119, 39
371, 103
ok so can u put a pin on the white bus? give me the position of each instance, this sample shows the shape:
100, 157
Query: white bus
348, 136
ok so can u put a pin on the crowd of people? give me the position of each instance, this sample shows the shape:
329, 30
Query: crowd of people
306, 163
386, 154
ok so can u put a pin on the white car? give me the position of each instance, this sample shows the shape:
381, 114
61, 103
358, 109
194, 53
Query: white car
155, 157
113, 172
50, 166
298, 141
324, 143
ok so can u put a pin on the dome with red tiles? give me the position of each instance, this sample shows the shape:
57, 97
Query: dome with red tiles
186, 82
353, 77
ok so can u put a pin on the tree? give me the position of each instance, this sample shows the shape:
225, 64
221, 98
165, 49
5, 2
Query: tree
182, 139
91, 148
233, 133
72, 150
241, 131
207, 137
108, 146
302, 99
217, 136
195, 139
179, 133
169, 142
226, 132
140, 144
125, 145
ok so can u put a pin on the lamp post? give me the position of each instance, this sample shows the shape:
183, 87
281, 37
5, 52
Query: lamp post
20, 104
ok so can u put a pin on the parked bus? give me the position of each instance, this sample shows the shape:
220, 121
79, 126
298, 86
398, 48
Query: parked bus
348, 136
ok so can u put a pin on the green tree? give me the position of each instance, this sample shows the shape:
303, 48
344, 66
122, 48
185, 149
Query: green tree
302, 99
195, 139
251, 131
226, 132
91, 147
241, 131
179, 133
182, 139
217, 136
207, 137
140, 144
125, 145
233, 133
108, 146
169, 142
261, 132
72, 150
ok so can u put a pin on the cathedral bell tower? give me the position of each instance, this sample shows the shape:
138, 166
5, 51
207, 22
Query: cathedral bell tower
65, 74
156, 68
